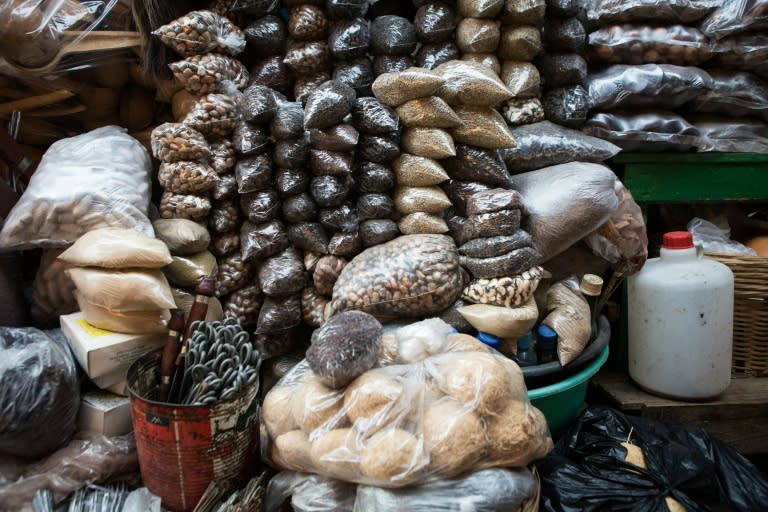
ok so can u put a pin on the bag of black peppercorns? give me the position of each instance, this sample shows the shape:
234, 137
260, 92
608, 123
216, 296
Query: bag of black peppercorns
267, 36
349, 39
392, 35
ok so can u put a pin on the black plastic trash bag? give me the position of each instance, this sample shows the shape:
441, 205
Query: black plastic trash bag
587, 469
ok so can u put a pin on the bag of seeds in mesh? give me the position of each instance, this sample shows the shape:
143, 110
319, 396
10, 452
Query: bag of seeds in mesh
545, 143
200, 32
385, 281
201, 74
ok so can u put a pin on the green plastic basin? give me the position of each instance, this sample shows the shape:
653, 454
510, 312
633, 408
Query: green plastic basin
561, 402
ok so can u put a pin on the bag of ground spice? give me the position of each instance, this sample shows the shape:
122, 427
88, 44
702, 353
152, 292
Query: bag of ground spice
425, 269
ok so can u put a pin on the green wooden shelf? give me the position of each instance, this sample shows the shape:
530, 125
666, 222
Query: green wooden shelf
694, 177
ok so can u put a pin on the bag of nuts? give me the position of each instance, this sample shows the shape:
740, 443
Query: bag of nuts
215, 115
186, 177
201, 74
200, 32
94, 180
172, 142
642, 44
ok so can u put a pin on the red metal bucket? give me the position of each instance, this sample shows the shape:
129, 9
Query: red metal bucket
182, 448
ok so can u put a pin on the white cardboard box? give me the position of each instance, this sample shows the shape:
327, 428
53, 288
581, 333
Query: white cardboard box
104, 413
105, 353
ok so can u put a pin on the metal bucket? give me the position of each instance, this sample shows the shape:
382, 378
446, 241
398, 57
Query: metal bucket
182, 448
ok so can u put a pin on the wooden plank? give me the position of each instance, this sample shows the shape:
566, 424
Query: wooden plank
737, 417
669, 182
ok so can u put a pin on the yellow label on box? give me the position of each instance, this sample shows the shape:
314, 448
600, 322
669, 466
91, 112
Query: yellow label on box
92, 331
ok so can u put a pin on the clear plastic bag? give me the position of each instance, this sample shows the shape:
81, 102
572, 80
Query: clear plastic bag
215, 115
715, 240
375, 206
357, 73
283, 273
288, 122
567, 106
310, 236
299, 208
254, 7
743, 135
117, 248
475, 35
644, 44
479, 8
478, 165
350, 39
346, 9
519, 43
564, 35
429, 56
123, 290
289, 182
261, 103
341, 137
482, 127
329, 191
606, 12
405, 424
562, 69
622, 240
489, 60
512, 291
487, 490
417, 171
391, 64
734, 94
309, 493
234, 273
222, 156
267, 35
97, 179
420, 199
40, 393
201, 74
375, 232
335, 163
428, 112
249, 139
244, 305
272, 72
736, 16
435, 22
521, 78
181, 206
644, 131
172, 142
545, 143
568, 314
307, 22
432, 143
470, 83
649, 85
339, 218
328, 105
306, 58
87, 459
182, 236
392, 35
259, 241
52, 290
126, 322
364, 284
187, 177
261, 206
522, 111
253, 173
371, 116
279, 314
511, 263
523, 12
291, 153
371, 177
396, 88
200, 32
565, 203
744, 53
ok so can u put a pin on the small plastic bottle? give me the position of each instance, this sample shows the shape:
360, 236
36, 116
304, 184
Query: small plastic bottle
489, 339
591, 286
526, 355
547, 344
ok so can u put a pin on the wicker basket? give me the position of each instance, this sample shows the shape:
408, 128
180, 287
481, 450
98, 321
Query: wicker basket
750, 313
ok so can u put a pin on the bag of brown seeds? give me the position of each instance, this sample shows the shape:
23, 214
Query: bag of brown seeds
475, 35
357, 73
470, 83
201, 74
339, 218
299, 208
489, 60
420, 199
478, 165
305, 84
291, 153
224, 216
273, 73
420, 223
417, 171
350, 39
459, 193
375, 206
335, 163
182, 206
430, 56
186, 177
327, 271
283, 273
260, 206
310, 236
307, 23
288, 122
289, 182
244, 305
305, 58
253, 173
482, 127
224, 244
396, 88
234, 273
258, 241
329, 190
341, 137
200, 32
432, 143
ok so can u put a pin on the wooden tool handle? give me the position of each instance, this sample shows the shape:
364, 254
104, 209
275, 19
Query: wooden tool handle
170, 353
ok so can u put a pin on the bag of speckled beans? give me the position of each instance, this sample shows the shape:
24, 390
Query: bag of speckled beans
410, 276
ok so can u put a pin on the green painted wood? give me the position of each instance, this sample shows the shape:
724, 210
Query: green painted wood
692, 158
659, 181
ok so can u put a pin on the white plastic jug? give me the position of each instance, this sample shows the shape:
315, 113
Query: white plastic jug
681, 322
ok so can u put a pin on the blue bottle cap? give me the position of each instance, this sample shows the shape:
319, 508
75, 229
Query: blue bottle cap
547, 337
489, 339
524, 343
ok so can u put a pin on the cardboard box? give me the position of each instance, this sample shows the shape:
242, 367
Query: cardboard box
114, 383
102, 353
104, 413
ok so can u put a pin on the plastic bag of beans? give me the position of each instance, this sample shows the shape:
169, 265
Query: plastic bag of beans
200, 32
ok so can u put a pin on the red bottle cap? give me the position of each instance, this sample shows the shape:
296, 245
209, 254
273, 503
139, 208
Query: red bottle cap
678, 240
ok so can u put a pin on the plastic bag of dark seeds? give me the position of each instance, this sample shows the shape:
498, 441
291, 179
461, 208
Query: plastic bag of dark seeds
283, 273
234, 273
346, 9
267, 36
225, 188
345, 244
253, 173
349, 39
432, 55
335, 163
258, 241
391, 64
567, 106
339, 218
561, 69
279, 314
291, 153
273, 73
225, 243
435, 22
307, 23
342, 137
375, 206
328, 105
357, 73
249, 139
305, 84
299, 208
329, 191
310, 236
260, 206
288, 122
478, 165
289, 182
255, 7
261, 103
224, 217
378, 231
370, 116
392, 35
378, 149
459, 193
307, 57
